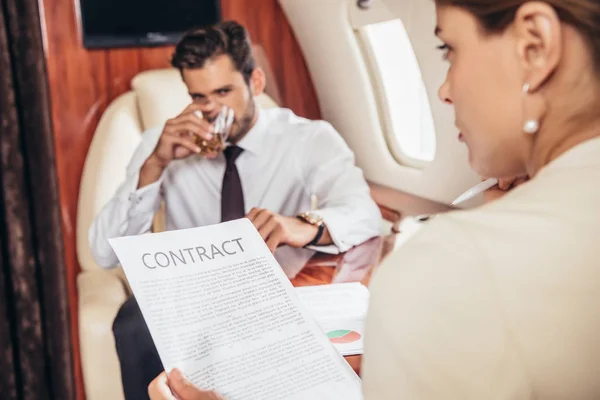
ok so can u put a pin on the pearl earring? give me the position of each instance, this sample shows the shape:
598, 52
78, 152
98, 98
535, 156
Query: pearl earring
531, 126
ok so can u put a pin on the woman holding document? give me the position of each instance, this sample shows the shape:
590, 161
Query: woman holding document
500, 302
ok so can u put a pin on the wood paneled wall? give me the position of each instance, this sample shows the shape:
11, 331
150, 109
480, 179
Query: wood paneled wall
83, 83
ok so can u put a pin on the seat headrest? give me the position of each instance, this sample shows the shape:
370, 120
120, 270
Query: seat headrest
162, 94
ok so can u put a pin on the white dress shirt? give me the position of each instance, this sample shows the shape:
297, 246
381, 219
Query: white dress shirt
496, 303
286, 160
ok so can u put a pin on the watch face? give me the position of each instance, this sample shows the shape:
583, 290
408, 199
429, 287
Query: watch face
313, 219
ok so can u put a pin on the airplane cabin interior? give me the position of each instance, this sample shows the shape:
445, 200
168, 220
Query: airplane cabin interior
349, 165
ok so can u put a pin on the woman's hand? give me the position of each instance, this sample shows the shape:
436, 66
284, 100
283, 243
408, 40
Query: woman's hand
165, 387
504, 185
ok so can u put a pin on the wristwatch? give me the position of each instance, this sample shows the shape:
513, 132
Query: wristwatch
315, 220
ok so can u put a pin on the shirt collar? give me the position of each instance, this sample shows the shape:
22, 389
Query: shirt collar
585, 154
253, 141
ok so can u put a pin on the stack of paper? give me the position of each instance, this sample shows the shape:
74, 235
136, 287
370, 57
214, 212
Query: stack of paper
340, 310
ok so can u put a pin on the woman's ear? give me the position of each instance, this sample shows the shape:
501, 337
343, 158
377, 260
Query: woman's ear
539, 46
258, 81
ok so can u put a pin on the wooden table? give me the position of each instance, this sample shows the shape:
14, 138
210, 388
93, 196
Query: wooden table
356, 265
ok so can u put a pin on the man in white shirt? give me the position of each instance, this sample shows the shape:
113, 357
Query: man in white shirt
275, 164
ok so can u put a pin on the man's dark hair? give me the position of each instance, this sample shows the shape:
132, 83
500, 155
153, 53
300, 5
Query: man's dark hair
198, 46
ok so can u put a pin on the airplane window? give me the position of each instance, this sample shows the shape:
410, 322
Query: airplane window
403, 101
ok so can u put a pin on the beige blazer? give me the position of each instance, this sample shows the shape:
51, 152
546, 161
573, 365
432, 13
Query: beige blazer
501, 302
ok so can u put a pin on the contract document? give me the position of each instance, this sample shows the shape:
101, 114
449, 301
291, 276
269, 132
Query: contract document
220, 309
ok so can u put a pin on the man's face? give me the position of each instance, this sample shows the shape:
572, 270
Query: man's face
219, 84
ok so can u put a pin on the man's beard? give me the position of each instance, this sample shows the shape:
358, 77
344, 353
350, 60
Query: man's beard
243, 123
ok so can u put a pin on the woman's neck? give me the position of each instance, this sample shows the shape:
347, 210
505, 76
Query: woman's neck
572, 117
550, 146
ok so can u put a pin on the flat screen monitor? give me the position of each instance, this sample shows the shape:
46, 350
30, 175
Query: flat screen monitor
133, 23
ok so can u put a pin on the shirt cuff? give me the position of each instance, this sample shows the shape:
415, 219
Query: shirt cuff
146, 199
335, 224
327, 249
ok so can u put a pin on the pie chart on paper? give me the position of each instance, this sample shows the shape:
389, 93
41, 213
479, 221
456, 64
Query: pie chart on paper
343, 336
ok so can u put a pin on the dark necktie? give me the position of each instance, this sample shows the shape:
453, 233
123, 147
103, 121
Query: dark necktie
232, 197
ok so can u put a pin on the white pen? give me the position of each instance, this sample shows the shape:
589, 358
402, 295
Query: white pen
475, 190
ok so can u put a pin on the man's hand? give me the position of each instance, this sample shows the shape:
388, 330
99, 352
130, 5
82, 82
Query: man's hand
166, 388
177, 141
504, 185
277, 230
